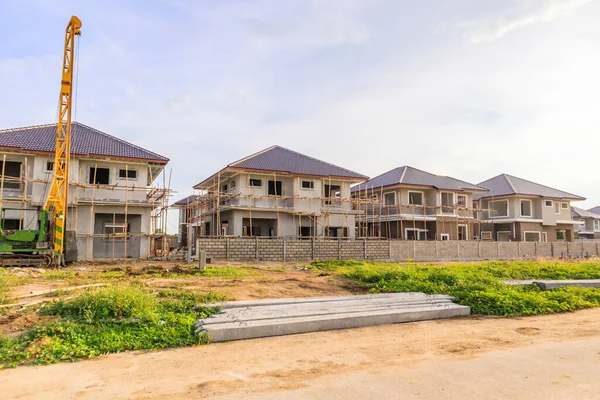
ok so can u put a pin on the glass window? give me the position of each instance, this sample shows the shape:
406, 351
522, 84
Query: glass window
462, 200
557, 208
498, 208
308, 185
526, 208
128, 173
389, 198
549, 203
255, 182
448, 199
415, 198
597, 225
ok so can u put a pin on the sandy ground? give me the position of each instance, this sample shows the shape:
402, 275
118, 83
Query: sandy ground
546, 357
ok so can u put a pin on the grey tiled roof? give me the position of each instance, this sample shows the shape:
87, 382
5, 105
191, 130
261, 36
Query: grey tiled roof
84, 141
595, 210
580, 212
504, 184
411, 176
185, 201
277, 158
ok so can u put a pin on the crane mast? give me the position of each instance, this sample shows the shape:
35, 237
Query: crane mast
59, 192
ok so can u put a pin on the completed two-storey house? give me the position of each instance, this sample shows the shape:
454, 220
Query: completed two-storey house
408, 203
109, 205
587, 223
276, 192
520, 210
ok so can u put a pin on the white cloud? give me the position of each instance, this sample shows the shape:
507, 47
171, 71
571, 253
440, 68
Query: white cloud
530, 12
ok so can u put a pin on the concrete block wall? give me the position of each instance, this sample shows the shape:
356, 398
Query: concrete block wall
238, 248
378, 249
326, 249
396, 250
468, 250
355, 249
298, 250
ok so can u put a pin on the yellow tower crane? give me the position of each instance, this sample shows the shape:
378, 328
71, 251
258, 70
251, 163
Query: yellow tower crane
57, 200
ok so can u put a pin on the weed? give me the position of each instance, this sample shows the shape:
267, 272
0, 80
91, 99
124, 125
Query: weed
107, 320
479, 285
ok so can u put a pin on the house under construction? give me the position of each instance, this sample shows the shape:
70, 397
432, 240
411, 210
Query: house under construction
114, 210
276, 192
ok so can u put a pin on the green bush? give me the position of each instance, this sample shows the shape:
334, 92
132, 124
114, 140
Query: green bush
109, 320
122, 301
480, 286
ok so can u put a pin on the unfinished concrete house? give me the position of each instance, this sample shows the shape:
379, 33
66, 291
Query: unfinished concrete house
408, 203
112, 208
587, 223
516, 209
276, 192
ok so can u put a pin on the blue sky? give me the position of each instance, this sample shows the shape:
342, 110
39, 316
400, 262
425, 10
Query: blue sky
469, 89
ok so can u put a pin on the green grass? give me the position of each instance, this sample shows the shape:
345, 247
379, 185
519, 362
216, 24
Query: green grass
109, 320
479, 285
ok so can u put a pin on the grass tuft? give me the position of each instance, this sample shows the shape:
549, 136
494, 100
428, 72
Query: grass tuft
109, 320
479, 285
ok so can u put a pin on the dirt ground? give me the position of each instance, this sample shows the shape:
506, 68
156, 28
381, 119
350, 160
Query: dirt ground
543, 357
255, 281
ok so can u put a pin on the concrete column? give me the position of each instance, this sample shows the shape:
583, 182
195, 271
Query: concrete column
312, 248
436, 250
414, 250
339, 249
479, 248
256, 248
198, 246
189, 243
535, 251
552, 249
227, 248
202, 260
458, 249
519, 249
284, 250
365, 248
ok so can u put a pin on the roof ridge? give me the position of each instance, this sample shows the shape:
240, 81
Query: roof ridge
116, 138
403, 173
510, 183
26, 127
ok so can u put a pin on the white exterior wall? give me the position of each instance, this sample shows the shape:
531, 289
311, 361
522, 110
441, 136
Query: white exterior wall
293, 201
34, 166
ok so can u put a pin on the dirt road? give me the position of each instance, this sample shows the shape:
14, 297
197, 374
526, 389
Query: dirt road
548, 357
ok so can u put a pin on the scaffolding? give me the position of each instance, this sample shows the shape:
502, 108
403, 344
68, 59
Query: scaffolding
24, 196
365, 211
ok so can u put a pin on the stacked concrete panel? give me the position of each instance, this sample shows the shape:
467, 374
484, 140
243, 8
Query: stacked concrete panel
262, 318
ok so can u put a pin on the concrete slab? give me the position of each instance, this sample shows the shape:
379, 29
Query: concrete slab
262, 318
517, 282
299, 300
548, 285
